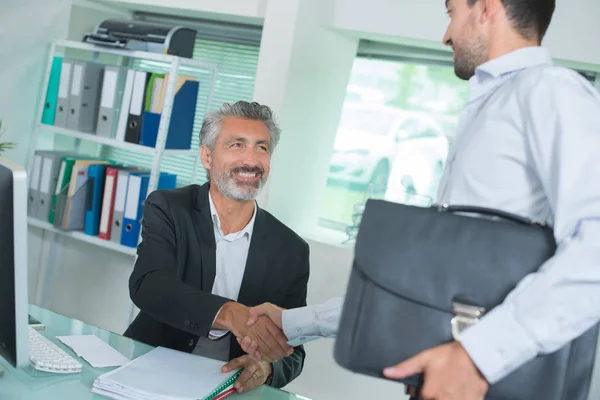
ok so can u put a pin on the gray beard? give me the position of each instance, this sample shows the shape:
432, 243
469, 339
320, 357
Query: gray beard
228, 187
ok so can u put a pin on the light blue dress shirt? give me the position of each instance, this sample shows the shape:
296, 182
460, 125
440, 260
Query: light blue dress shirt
528, 142
305, 324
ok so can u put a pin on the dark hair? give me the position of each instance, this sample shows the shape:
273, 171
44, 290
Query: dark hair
531, 18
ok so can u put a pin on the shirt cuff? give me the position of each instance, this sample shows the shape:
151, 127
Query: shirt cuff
498, 344
299, 325
215, 334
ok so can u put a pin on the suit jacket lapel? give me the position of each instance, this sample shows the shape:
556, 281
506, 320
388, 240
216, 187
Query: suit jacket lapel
257, 262
205, 230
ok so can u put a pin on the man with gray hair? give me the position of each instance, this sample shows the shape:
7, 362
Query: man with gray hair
208, 253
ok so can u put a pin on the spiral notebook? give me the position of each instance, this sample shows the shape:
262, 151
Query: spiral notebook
165, 374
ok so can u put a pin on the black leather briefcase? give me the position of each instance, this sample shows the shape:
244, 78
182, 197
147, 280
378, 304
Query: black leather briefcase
422, 275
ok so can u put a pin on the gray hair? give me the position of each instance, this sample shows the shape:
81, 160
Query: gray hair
211, 127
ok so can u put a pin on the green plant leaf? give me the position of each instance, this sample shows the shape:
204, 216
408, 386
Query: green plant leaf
6, 146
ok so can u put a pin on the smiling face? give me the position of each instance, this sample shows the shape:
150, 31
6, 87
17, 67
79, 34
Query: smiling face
239, 164
466, 37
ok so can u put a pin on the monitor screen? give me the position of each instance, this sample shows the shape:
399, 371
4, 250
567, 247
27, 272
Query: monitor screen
13, 264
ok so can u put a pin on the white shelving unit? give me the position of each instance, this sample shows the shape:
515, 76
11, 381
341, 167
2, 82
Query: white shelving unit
117, 144
124, 58
87, 52
107, 244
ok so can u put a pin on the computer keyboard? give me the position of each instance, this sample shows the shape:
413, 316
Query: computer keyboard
48, 357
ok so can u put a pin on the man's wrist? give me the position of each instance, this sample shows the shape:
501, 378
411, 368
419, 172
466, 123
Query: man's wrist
224, 320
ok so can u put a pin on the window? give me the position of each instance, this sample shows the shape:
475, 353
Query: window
237, 64
393, 138
400, 115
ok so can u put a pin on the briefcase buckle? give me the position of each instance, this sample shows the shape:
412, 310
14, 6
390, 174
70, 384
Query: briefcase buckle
464, 316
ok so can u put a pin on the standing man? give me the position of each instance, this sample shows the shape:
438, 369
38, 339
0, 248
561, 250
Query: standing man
208, 252
528, 143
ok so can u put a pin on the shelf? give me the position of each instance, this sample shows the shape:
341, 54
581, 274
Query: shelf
138, 148
77, 235
188, 62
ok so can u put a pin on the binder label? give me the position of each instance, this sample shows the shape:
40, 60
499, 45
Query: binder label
76, 86
108, 189
109, 88
63, 90
121, 192
35, 176
46, 175
133, 197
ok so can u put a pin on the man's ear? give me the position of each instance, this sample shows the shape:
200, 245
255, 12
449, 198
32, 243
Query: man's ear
490, 9
206, 157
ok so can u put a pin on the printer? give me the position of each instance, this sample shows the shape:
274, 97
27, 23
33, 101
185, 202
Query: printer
144, 36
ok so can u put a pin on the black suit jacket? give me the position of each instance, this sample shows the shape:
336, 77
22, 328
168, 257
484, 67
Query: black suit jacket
173, 276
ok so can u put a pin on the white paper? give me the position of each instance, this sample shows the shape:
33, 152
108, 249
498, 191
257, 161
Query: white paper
93, 350
163, 374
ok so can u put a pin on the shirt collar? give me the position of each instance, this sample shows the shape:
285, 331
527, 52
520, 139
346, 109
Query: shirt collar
514, 61
246, 231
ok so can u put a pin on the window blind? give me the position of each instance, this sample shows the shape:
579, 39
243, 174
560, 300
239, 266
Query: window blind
237, 65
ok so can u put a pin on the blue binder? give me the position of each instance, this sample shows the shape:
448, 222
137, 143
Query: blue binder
181, 127
137, 191
93, 199
52, 94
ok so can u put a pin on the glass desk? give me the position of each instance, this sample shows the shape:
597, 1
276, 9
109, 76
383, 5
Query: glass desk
19, 384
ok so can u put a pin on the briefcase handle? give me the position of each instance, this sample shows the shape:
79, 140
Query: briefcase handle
490, 212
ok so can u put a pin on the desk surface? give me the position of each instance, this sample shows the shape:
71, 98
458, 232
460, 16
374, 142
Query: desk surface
18, 384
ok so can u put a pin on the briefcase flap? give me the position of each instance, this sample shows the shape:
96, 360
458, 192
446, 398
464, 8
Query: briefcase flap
433, 257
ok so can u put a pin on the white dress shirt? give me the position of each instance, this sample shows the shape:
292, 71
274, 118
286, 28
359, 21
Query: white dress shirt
528, 143
231, 256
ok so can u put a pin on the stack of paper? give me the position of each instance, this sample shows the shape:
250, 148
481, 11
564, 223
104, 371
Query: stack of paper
165, 374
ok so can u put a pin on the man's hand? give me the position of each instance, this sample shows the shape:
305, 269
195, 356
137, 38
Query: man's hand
255, 372
449, 373
267, 309
267, 336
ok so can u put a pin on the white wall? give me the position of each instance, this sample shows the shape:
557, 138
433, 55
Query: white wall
85, 15
322, 378
303, 70
24, 52
244, 11
573, 32
80, 280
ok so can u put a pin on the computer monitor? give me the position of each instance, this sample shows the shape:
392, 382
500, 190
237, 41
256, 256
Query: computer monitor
13, 264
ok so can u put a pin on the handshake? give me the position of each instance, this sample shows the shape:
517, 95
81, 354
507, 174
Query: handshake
259, 330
